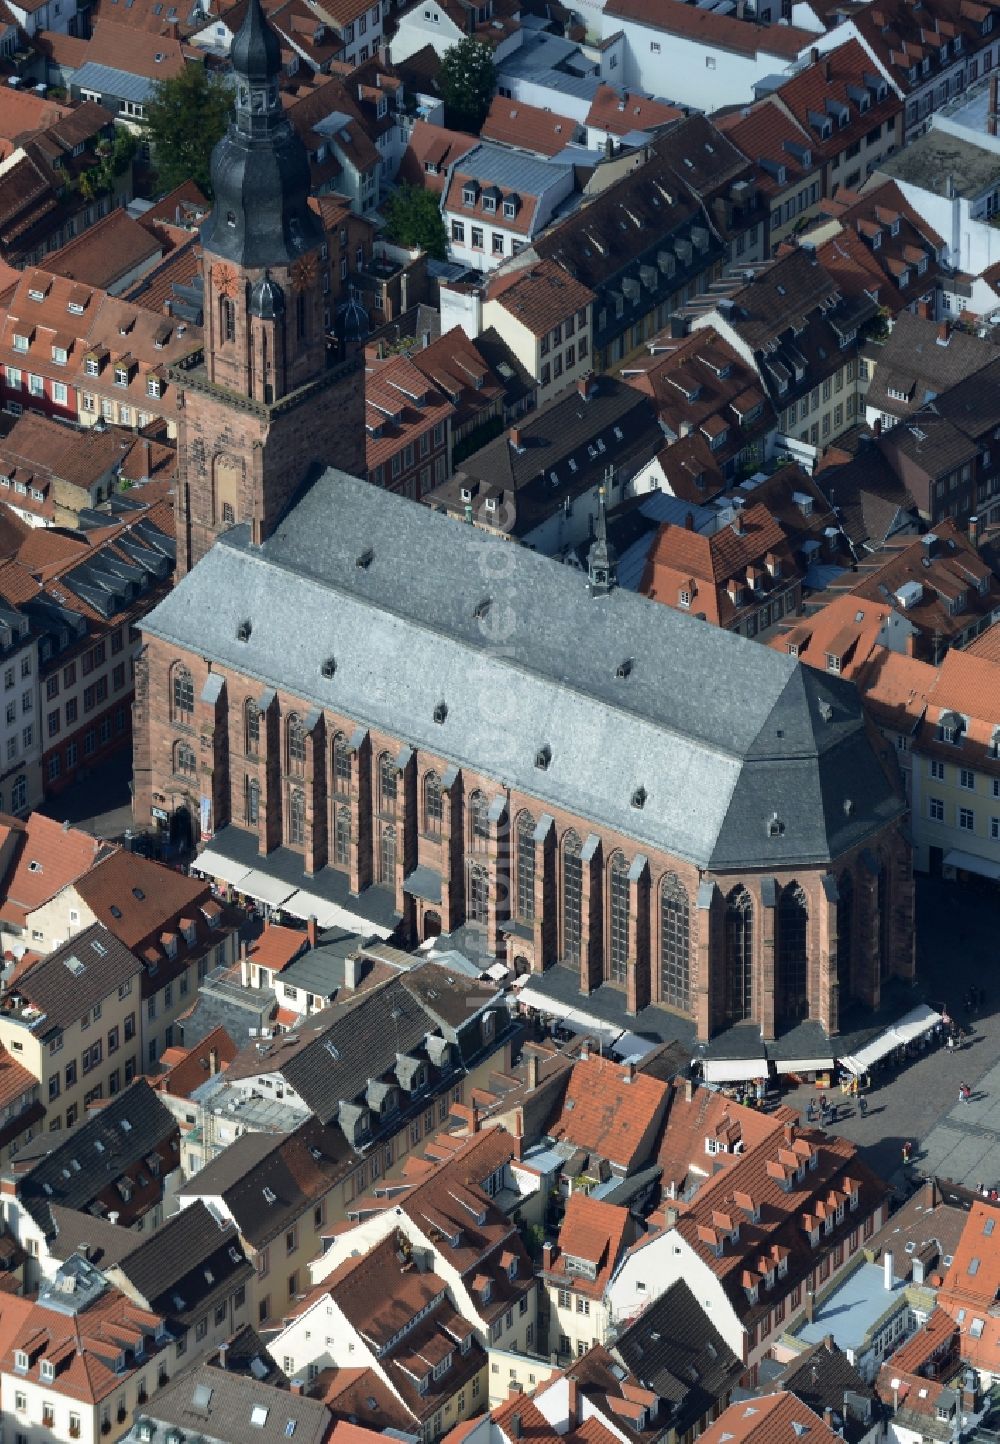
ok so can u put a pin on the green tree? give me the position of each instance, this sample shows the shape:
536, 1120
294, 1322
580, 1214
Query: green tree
113, 159
466, 83
187, 115
413, 218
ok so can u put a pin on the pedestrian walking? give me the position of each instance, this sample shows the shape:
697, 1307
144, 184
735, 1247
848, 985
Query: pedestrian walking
964, 1093
907, 1153
863, 1105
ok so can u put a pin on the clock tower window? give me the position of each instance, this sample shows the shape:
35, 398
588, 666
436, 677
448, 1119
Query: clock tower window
227, 326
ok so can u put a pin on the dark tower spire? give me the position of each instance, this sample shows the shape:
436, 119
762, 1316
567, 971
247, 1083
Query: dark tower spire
602, 558
260, 168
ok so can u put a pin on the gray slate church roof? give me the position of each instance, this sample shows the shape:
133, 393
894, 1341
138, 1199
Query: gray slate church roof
417, 610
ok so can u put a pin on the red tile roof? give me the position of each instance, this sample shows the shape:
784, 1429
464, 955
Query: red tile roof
276, 947
611, 1111
595, 1232
773, 1419
540, 296
529, 127
724, 32
49, 857
832, 78
137, 899
619, 112
194, 1065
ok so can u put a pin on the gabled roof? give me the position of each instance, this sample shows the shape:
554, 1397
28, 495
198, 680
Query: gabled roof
674, 1349
620, 112
230, 1408
187, 1265
137, 898
772, 1419
86, 1163
267, 1181
67, 984
715, 31
419, 599
839, 98
48, 857
594, 1232
528, 127
610, 1111
539, 296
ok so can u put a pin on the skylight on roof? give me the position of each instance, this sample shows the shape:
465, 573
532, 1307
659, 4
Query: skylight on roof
258, 1416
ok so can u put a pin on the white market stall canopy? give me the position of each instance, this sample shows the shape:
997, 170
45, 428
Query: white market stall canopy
733, 1070
803, 1065
265, 889
214, 864
306, 905
920, 1020
969, 862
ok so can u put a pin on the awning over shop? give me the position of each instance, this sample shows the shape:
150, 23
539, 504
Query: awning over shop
920, 1020
302, 904
630, 1045
733, 1070
968, 862
803, 1065
265, 889
223, 869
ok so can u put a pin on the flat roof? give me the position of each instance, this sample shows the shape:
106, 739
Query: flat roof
931, 160
852, 1309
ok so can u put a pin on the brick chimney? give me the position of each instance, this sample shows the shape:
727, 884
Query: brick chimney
213, 1061
297, 1386
688, 1090
312, 932
585, 385
514, 1426
828, 69
548, 1255
532, 1070
943, 333
572, 1403
515, 437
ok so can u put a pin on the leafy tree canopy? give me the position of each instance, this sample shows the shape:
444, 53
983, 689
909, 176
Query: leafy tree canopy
413, 218
467, 80
186, 117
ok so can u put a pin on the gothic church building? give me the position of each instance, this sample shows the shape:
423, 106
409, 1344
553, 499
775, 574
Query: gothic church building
429, 730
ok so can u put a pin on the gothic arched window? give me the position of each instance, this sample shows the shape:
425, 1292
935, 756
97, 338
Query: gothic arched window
675, 944
739, 955
572, 896
618, 917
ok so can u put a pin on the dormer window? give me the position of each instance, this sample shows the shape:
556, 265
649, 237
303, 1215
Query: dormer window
20, 342
60, 355
154, 386
121, 375
510, 210
20, 1361
469, 195
47, 1371
489, 204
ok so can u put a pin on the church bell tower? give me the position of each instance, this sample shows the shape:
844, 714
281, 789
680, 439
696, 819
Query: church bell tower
257, 412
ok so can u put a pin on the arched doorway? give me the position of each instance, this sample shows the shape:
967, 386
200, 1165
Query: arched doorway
432, 924
182, 832
521, 966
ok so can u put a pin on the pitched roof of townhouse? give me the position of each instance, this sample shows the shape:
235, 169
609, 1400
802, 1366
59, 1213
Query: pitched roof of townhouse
722, 32
674, 1348
177, 207
136, 898
84, 1343
594, 1231
848, 628
361, 1394
188, 1265
528, 127
48, 857
919, 359
232, 1407
705, 566
620, 112
610, 1111
108, 251
66, 984
276, 947
766, 133
615, 1394
381, 1293
871, 501
507, 176
987, 644
707, 1115
954, 569
779, 295
843, 81
456, 365
901, 40
40, 450
432, 146
770, 1419
269, 1180
823, 1377
113, 1143
401, 405
189, 1067
522, 1418
539, 296
570, 441
15, 1081
102, 1242
768, 1195
121, 47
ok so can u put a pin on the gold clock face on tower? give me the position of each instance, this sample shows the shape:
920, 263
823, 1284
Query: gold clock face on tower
225, 278
304, 272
